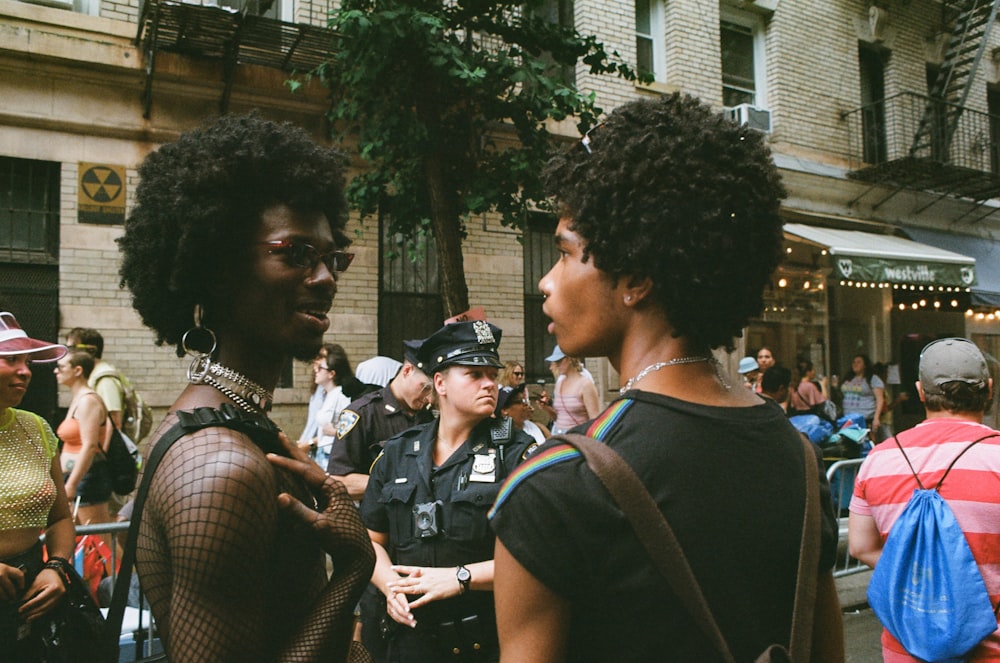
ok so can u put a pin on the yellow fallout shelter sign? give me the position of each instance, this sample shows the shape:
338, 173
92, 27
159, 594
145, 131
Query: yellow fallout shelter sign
101, 195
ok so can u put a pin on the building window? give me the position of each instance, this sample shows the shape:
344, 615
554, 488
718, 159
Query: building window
29, 211
871, 62
561, 13
650, 55
29, 264
741, 41
938, 116
993, 106
410, 303
539, 255
274, 9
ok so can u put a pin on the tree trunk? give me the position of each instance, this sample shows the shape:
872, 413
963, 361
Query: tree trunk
448, 238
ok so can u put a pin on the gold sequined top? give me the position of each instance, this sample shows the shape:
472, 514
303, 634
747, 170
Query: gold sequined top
27, 493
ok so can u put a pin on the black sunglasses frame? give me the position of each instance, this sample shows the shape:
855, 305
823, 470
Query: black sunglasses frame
306, 256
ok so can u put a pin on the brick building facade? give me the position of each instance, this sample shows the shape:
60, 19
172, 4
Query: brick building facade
835, 81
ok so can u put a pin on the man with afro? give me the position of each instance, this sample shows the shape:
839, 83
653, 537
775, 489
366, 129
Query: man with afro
232, 253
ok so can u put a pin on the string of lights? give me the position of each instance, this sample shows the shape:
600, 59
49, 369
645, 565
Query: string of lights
905, 286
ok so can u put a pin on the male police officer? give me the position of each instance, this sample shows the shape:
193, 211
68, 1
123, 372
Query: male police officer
373, 418
426, 504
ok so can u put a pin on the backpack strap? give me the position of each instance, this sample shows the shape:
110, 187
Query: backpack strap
950, 465
657, 537
259, 429
116, 377
89, 393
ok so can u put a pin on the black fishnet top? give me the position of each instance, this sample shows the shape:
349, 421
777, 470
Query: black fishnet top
229, 576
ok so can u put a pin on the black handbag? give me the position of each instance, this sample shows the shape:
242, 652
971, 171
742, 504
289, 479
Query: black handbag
121, 462
72, 631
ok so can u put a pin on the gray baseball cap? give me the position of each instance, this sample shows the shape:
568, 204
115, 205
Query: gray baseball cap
952, 360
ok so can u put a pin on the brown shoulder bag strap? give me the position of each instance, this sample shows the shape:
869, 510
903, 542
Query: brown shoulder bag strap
656, 536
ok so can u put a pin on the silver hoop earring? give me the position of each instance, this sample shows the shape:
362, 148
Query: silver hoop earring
193, 343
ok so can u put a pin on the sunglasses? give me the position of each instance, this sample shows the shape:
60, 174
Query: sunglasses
306, 256
518, 374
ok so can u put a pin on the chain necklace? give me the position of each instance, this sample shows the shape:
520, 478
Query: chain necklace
657, 366
243, 391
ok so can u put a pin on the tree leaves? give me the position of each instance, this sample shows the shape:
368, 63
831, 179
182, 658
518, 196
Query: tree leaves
464, 85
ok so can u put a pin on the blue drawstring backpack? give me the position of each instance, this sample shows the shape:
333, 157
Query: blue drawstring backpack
926, 588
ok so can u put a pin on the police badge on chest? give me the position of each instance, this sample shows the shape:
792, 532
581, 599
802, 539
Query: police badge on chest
484, 467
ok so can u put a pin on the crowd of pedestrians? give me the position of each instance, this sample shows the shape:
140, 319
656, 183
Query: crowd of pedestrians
454, 530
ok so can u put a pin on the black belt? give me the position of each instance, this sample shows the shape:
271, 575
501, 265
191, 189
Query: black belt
460, 635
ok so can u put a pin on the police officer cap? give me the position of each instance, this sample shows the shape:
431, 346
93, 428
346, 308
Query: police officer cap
410, 350
472, 343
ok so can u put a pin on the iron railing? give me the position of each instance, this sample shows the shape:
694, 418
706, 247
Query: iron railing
841, 476
139, 637
888, 143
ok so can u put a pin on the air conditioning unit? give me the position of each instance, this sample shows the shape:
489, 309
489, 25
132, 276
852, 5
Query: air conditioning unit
56, 4
750, 115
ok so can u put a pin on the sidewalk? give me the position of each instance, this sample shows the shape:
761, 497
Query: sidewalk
862, 630
851, 590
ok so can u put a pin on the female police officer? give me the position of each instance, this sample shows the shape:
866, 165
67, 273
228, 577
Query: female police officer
426, 503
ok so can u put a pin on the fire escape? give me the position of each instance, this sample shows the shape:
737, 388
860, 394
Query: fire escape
241, 34
934, 142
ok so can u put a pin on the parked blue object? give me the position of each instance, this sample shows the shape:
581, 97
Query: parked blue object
815, 428
855, 419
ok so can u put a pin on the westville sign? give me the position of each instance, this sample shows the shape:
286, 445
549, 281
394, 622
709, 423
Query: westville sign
880, 270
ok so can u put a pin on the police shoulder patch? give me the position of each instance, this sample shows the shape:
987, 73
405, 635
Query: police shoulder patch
530, 450
348, 420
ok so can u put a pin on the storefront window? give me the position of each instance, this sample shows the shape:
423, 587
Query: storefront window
794, 321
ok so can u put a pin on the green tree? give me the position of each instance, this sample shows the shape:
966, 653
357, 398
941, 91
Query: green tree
447, 101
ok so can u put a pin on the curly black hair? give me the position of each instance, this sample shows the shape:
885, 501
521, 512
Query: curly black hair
203, 195
672, 190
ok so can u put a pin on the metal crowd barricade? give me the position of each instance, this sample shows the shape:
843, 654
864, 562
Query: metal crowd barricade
138, 631
841, 475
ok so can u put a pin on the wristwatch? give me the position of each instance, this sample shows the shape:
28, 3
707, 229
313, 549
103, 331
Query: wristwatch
464, 576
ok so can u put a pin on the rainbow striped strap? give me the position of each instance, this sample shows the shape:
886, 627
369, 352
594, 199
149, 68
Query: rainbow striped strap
600, 427
548, 456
